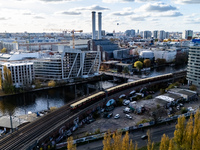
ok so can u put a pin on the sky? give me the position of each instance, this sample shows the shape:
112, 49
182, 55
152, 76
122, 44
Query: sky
118, 15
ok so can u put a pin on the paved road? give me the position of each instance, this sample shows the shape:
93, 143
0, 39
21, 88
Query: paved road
156, 134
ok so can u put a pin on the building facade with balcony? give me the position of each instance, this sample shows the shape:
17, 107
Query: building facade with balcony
193, 69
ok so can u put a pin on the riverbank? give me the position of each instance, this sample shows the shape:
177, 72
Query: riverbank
87, 80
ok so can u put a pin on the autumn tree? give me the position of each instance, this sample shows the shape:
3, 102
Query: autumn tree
179, 132
3, 50
147, 62
164, 144
117, 142
138, 65
150, 145
7, 81
51, 83
107, 141
70, 144
193, 88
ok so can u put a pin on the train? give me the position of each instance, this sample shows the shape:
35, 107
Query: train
113, 90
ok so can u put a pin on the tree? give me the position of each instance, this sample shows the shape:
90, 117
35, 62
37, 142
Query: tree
7, 81
147, 62
138, 65
117, 142
164, 144
193, 88
160, 61
52, 83
3, 50
150, 146
70, 144
126, 69
107, 141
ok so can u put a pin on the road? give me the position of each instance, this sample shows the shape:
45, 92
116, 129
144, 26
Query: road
156, 134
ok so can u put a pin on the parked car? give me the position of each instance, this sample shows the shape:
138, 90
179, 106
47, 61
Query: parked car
127, 110
128, 116
117, 116
144, 137
110, 115
126, 102
90, 121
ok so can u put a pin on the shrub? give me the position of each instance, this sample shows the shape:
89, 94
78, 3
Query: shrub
148, 97
183, 110
97, 131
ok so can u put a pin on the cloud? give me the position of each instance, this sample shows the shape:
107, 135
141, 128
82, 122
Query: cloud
156, 7
27, 14
139, 17
38, 17
124, 12
169, 14
93, 7
187, 1
57, 0
126, 1
70, 13
3, 18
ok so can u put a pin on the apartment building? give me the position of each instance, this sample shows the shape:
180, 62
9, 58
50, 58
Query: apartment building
193, 69
22, 73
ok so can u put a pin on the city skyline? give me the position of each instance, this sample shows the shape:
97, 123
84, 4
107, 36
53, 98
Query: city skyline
118, 15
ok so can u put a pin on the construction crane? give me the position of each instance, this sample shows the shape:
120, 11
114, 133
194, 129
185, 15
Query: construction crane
70, 31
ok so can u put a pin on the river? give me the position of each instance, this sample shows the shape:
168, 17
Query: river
42, 100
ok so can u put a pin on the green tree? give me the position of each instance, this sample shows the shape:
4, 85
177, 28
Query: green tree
3, 50
147, 62
138, 65
126, 69
160, 61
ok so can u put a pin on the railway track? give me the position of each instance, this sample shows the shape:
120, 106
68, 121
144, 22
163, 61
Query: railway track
28, 133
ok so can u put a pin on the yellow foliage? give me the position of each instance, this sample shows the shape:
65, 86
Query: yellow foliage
164, 144
51, 83
70, 144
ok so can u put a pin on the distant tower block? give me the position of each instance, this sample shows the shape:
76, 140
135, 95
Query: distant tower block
99, 25
93, 25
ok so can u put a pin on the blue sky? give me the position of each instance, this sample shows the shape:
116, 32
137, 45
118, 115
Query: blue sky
39, 15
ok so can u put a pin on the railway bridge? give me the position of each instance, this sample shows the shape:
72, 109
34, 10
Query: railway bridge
54, 123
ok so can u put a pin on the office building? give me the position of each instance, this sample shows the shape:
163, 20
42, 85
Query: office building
187, 34
72, 63
193, 69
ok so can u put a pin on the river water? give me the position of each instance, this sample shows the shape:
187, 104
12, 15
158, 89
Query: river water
42, 100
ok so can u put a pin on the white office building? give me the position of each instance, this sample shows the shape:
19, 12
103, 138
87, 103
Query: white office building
161, 35
193, 69
72, 63
187, 34
22, 73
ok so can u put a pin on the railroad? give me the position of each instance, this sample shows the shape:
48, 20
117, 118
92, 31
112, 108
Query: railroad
40, 129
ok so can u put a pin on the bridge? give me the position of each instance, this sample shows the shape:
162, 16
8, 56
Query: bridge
120, 75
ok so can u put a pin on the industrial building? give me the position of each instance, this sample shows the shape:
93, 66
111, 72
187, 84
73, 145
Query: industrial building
193, 69
105, 46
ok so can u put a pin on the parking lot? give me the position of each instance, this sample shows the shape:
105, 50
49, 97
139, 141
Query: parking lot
105, 124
